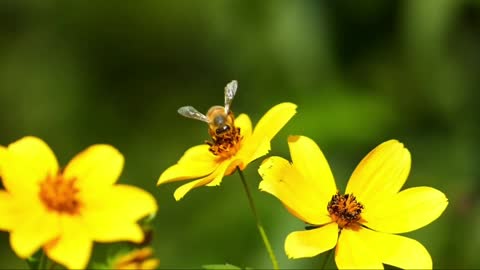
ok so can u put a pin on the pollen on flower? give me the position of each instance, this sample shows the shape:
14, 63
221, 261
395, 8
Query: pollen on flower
60, 194
226, 144
345, 210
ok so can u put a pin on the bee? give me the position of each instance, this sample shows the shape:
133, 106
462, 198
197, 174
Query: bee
220, 120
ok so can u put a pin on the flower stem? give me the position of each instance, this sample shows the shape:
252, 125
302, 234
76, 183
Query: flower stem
43, 260
52, 265
259, 224
327, 258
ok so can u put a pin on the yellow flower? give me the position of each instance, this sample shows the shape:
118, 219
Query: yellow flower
361, 223
208, 165
64, 211
140, 259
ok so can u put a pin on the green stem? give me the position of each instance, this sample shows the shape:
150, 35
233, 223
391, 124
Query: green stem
259, 224
42, 261
327, 258
52, 265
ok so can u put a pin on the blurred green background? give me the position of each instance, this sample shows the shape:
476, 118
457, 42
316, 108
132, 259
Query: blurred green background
76, 73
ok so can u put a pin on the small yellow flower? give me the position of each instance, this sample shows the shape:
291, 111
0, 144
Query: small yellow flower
139, 259
208, 163
361, 223
64, 211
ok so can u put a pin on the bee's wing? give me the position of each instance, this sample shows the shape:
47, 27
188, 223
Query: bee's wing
191, 112
230, 91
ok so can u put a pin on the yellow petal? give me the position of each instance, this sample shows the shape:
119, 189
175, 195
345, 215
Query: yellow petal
197, 161
74, 246
33, 229
184, 189
283, 181
3, 155
150, 264
354, 251
112, 215
117, 232
254, 147
269, 125
7, 220
244, 156
402, 252
129, 202
311, 163
16, 210
396, 250
274, 120
140, 259
234, 164
310, 243
245, 125
214, 177
28, 161
226, 168
97, 166
406, 211
198, 153
381, 174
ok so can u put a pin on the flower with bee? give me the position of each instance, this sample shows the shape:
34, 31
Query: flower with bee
234, 144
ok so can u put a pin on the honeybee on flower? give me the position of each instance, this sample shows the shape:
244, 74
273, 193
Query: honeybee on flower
234, 144
220, 120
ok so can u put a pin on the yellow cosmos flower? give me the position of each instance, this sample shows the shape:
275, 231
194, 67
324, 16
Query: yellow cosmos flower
64, 211
140, 259
209, 163
363, 222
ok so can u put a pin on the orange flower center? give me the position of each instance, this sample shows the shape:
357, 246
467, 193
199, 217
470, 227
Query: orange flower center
227, 143
60, 194
345, 210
